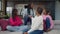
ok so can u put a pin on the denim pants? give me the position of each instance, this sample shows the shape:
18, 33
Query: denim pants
27, 20
37, 32
22, 28
48, 23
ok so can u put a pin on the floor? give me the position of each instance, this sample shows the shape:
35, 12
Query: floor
56, 29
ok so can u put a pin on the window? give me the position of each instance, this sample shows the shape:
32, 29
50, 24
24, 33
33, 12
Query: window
9, 10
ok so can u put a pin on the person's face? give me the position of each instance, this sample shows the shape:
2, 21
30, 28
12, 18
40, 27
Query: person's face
15, 12
36, 13
32, 5
49, 13
44, 11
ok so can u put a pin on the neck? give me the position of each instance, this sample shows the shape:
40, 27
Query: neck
46, 14
38, 14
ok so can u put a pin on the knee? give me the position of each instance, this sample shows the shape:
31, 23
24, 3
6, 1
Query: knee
8, 27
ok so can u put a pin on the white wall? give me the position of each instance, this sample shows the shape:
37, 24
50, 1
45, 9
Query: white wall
57, 9
19, 7
10, 4
0, 5
9, 8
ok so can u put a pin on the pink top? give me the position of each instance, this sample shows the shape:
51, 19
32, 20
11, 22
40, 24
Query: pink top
17, 21
51, 21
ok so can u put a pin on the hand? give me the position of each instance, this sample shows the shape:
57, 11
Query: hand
48, 30
30, 16
25, 33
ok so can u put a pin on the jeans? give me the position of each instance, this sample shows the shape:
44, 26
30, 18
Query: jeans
37, 32
18, 28
27, 20
48, 23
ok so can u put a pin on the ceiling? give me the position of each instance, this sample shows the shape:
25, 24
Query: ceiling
0, 0
30, 0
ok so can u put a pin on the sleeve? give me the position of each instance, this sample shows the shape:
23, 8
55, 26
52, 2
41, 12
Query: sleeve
24, 12
19, 21
35, 25
12, 22
34, 12
51, 21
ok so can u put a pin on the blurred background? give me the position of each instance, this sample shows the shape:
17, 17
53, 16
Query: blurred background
6, 7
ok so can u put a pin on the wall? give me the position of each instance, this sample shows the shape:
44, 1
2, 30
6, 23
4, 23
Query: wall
19, 7
0, 5
57, 9
9, 8
10, 4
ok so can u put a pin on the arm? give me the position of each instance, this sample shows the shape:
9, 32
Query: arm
35, 24
12, 22
51, 21
33, 13
19, 21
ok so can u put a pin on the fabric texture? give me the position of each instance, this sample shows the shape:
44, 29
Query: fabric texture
27, 20
51, 21
3, 24
22, 28
17, 21
37, 24
37, 32
46, 24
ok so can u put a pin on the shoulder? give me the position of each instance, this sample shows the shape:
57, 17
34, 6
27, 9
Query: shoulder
25, 9
17, 16
10, 17
48, 16
41, 17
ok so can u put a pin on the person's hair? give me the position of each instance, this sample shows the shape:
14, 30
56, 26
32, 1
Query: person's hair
29, 6
25, 6
39, 10
13, 12
47, 11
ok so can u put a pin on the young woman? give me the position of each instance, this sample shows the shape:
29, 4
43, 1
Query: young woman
15, 22
27, 13
46, 15
37, 23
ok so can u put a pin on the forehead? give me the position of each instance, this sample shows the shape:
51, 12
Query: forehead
15, 10
32, 4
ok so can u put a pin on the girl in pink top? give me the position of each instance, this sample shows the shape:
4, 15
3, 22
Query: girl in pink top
15, 20
16, 23
46, 14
